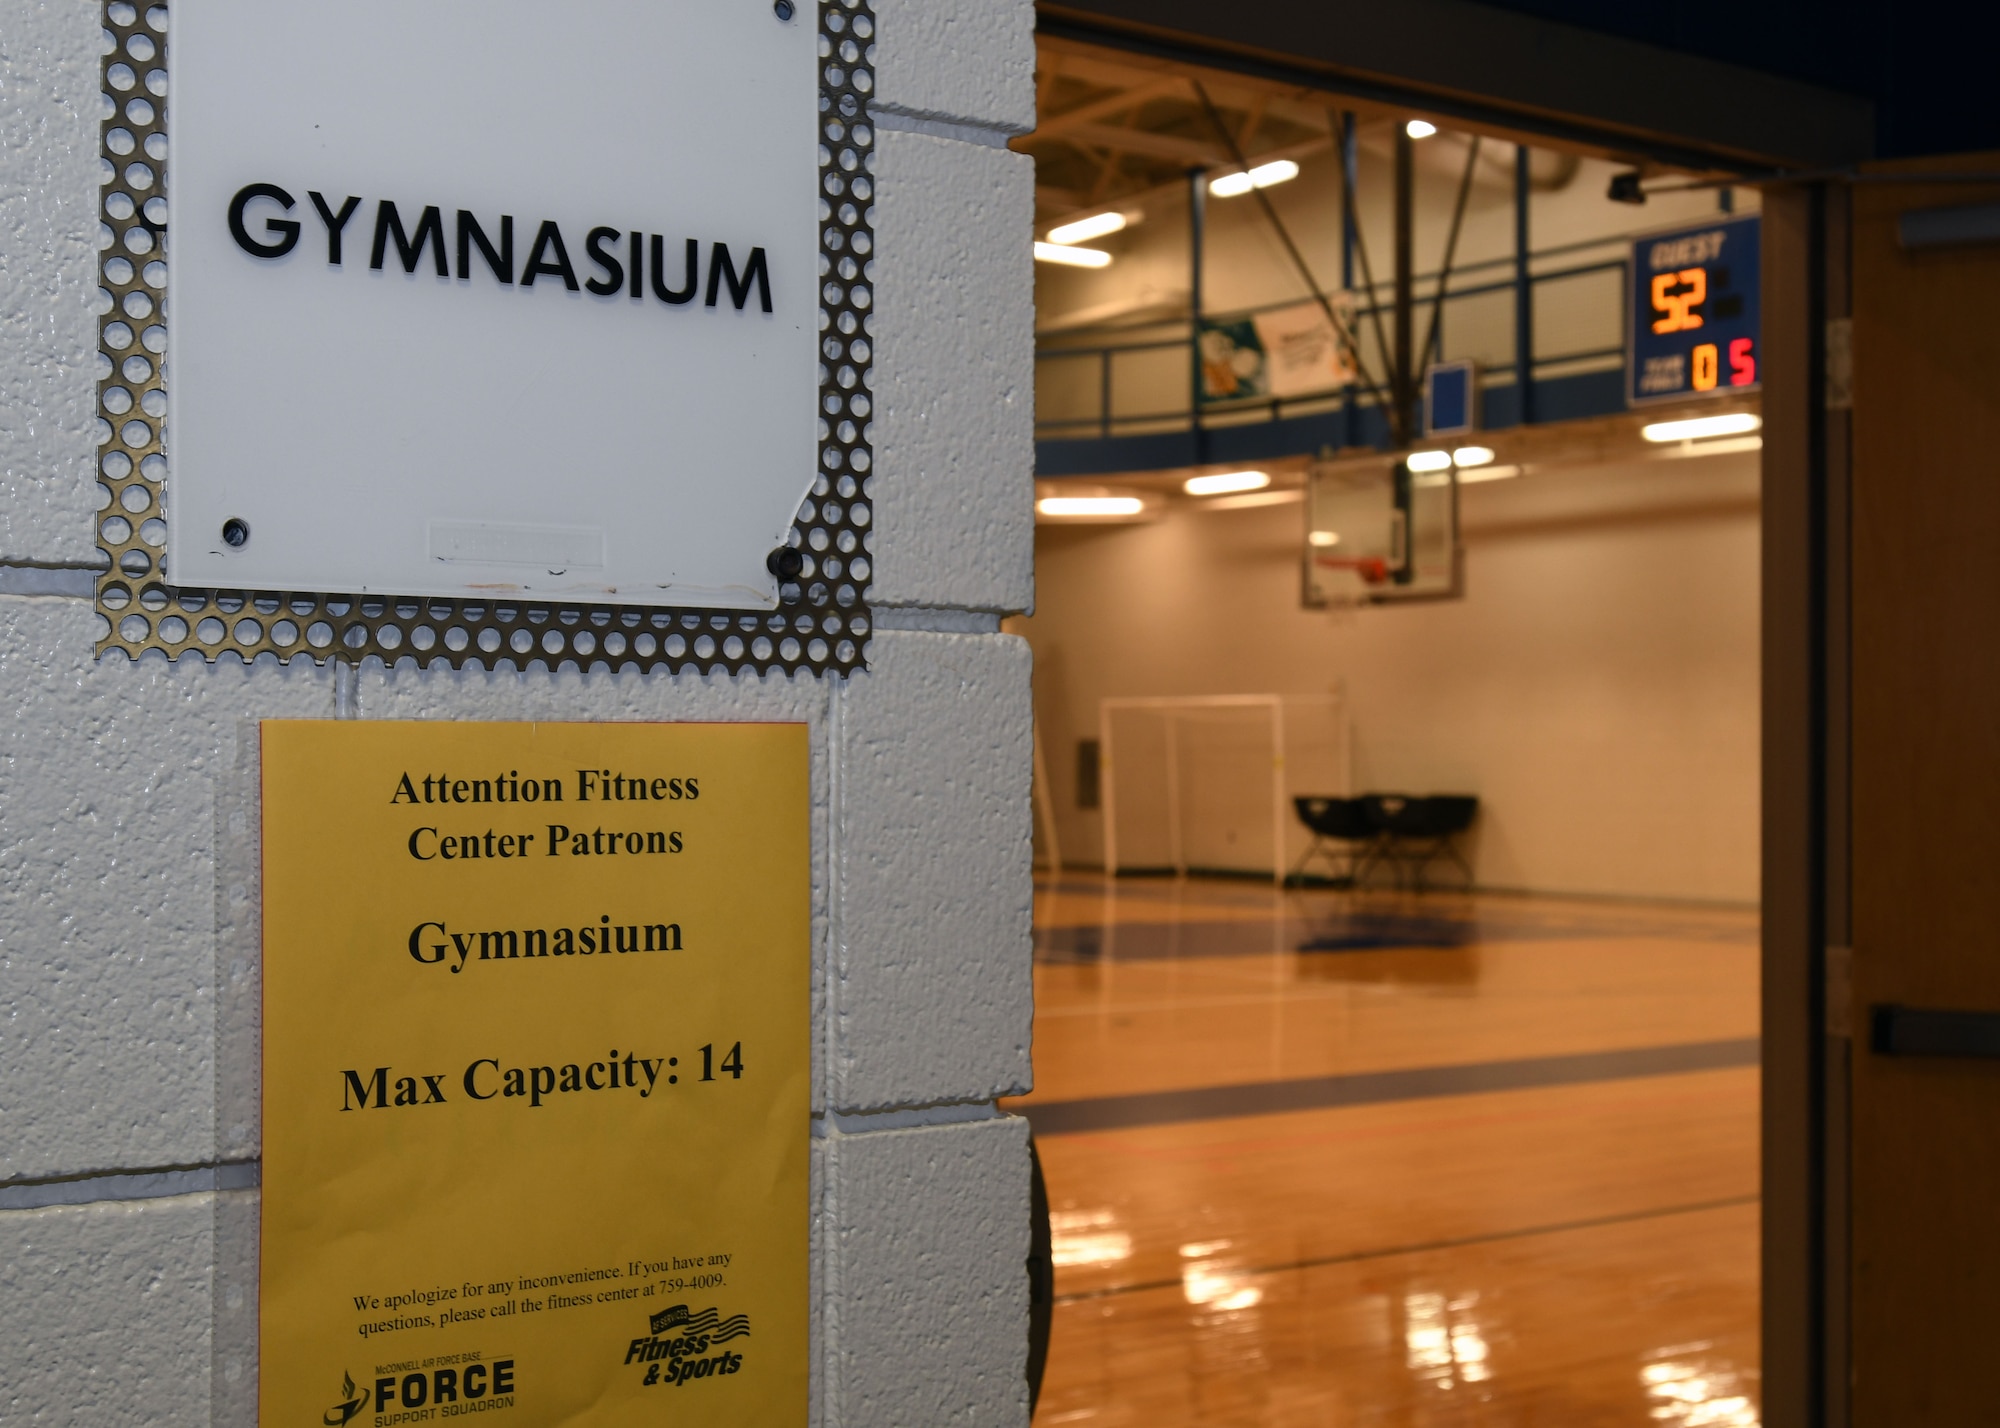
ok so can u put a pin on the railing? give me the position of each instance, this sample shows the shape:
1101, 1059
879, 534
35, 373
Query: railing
1586, 335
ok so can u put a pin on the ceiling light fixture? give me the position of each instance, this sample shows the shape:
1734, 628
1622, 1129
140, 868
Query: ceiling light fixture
1072, 257
1430, 461
1263, 176
1420, 128
1223, 483
1472, 456
1323, 539
1085, 229
1695, 428
1090, 505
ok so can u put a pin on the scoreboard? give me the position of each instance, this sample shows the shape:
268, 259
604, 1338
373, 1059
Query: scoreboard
1694, 313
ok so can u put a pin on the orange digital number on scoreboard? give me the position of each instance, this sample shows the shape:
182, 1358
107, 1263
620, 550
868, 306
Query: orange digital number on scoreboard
1680, 306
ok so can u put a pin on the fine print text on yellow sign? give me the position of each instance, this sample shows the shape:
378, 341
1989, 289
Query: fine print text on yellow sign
535, 1074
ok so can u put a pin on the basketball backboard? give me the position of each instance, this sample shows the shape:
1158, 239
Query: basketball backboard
1377, 533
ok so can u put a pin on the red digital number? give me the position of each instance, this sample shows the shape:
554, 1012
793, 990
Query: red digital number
1742, 362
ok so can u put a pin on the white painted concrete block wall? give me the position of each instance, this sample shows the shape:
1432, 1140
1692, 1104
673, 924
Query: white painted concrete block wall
126, 1293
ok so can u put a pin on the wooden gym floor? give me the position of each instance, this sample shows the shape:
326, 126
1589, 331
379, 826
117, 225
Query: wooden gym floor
1323, 1158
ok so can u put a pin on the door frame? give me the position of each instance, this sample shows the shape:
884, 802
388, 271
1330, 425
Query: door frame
1539, 80
1806, 1013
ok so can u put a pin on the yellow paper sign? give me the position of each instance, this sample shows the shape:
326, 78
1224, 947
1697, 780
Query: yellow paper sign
535, 1074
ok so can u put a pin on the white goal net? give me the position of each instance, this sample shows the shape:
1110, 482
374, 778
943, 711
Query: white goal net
1205, 783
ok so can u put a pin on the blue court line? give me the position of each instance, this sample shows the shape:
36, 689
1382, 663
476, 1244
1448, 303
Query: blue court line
1263, 1098
1345, 932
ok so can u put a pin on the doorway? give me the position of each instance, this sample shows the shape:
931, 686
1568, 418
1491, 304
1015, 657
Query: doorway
1333, 1129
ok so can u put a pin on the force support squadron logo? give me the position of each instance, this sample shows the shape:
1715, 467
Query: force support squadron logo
676, 1351
355, 1400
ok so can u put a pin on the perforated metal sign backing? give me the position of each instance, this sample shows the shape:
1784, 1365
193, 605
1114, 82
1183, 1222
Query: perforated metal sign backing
821, 623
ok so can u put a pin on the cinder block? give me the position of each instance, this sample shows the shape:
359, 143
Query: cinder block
928, 1308
48, 281
104, 1313
233, 1325
818, 1230
966, 61
932, 992
954, 356
108, 777
406, 692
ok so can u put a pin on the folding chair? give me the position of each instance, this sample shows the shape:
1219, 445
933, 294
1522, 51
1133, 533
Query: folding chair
1417, 832
1343, 834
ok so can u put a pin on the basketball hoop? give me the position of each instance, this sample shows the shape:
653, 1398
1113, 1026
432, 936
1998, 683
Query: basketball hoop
1373, 569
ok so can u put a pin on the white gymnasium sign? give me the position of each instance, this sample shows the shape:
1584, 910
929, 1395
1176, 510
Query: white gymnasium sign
470, 298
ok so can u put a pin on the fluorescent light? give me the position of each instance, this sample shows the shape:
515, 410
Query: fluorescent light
1430, 461
1695, 428
1072, 257
1263, 176
1719, 446
1420, 128
1090, 505
1472, 456
1323, 539
1225, 482
1085, 229
1250, 500
1488, 473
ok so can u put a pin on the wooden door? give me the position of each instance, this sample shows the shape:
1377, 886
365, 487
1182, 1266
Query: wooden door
1925, 831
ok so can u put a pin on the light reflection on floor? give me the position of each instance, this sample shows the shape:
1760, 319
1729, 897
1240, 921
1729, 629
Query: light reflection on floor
1087, 1237
1694, 1387
1581, 1252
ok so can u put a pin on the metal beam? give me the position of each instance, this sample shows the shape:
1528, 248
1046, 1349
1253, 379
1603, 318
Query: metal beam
1103, 108
1402, 378
1063, 200
1138, 141
1197, 182
1524, 287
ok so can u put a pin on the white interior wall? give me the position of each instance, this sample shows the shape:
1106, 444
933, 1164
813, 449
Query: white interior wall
1597, 687
127, 1283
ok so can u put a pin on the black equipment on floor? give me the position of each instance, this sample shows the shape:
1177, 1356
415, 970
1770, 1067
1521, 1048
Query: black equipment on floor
1408, 834
1343, 834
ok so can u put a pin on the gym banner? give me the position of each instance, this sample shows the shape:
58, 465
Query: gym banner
536, 1059
1277, 353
